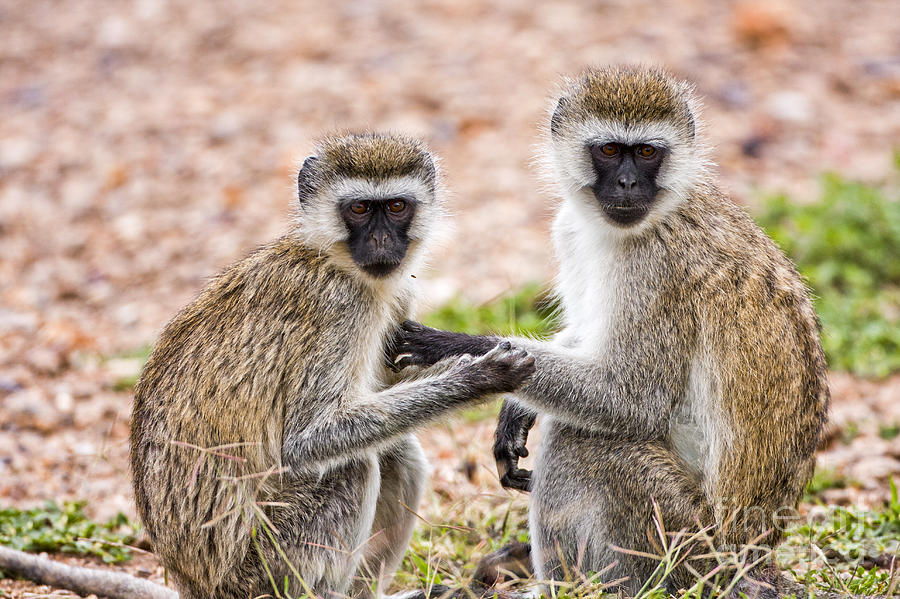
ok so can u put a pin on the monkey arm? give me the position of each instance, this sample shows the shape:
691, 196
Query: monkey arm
373, 420
620, 398
513, 424
370, 420
623, 398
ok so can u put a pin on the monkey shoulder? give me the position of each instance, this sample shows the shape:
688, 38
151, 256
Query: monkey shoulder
277, 309
724, 255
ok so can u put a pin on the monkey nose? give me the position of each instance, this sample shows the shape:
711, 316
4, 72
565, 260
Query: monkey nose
380, 239
627, 182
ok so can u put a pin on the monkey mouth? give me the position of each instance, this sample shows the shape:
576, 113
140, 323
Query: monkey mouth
624, 215
379, 270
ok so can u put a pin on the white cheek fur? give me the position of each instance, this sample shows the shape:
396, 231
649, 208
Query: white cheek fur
572, 172
319, 224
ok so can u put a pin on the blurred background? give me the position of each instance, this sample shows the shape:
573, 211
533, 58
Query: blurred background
146, 144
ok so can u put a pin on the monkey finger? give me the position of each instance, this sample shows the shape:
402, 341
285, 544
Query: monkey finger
522, 480
412, 326
522, 451
506, 449
402, 361
503, 468
518, 479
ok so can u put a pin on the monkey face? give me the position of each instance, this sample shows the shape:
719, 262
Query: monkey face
626, 184
378, 232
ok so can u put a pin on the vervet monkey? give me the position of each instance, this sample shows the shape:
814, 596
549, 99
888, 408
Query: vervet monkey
688, 372
269, 455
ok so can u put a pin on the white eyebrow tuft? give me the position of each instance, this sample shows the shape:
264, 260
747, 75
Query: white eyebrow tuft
353, 188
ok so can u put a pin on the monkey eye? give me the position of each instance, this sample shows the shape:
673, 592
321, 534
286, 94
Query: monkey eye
359, 207
646, 151
610, 149
396, 206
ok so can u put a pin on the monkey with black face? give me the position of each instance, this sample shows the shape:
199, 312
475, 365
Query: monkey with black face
286, 350
268, 452
688, 372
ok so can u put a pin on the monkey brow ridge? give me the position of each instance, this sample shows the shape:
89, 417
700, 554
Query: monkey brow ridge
376, 156
631, 96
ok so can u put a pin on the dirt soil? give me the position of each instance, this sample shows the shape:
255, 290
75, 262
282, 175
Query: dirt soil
145, 145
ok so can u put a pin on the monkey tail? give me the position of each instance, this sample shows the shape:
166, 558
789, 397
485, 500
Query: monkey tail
84, 581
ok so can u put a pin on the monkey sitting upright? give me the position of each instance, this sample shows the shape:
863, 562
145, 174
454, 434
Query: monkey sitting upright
269, 455
688, 373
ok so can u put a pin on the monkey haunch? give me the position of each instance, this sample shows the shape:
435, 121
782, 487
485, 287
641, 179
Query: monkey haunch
688, 371
265, 404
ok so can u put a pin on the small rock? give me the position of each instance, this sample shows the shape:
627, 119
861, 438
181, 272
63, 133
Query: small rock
9, 385
30, 409
226, 127
761, 23
115, 32
871, 470
735, 94
752, 147
17, 152
45, 360
64, 401
790, 106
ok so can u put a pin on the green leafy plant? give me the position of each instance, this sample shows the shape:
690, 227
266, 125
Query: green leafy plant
67, 529
846, 550
847, 245
823, 480
889, 431
528, 311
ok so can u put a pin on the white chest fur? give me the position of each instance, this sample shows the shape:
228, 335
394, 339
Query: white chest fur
589, 280
698, 430
392, 302
591, 284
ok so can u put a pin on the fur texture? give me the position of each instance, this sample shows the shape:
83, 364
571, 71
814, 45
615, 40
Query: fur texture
267, 447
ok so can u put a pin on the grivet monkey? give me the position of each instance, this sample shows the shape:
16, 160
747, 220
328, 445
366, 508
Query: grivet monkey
688, 373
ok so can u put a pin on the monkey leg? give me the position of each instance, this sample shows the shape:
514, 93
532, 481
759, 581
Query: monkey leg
312, 543
593, 502
404, 470
513, 559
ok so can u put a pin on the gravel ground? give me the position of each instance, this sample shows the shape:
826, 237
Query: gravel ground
144, 145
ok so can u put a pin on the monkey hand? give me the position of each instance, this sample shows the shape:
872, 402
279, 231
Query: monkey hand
509, 445
501, 370
415, 344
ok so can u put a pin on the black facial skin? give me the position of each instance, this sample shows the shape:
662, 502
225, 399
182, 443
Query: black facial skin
626, 179
378, 232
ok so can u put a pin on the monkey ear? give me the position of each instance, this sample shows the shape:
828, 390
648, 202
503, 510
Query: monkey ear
430, 170
558, 114
305, 179
692, 126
